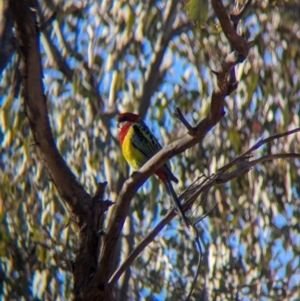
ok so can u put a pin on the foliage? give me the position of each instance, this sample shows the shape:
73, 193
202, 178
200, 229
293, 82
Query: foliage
99, 59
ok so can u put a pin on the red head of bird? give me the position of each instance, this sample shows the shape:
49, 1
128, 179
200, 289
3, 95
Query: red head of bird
124, 122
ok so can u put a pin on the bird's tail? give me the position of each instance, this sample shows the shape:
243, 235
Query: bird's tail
175, 200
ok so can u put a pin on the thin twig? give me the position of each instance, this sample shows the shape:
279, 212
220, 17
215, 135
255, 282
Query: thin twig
206, 214
237, 15
178, 114
190, 190
198, 244
140, 247
258, 145
272, 157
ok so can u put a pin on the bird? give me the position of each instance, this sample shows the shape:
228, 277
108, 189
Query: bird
138, 146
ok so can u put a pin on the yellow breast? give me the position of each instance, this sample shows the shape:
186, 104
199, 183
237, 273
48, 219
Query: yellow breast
132, 155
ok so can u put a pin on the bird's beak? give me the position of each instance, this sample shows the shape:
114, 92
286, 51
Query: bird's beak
120, 124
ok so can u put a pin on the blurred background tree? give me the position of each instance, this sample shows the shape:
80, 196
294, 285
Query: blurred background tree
104, 57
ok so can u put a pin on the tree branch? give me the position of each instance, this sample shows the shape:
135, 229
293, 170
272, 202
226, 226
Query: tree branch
85, 211
88, 78
238, 14
36, 109
237, 41
187, 141
6, 35
258, 145
217, 179
199, 132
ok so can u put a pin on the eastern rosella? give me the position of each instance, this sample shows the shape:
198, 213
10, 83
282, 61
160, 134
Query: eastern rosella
139, 145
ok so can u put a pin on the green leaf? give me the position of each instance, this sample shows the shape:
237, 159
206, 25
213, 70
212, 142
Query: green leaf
198, 11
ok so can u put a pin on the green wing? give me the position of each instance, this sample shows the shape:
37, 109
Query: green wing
146, 143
